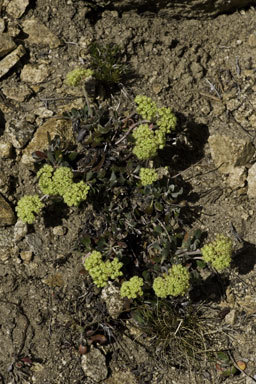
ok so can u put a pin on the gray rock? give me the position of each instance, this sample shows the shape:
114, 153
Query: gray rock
237, 177
39, 34
94, 365
35, 74
19, 132
229, 151
177, 8
6, 44
16, 8
35, 243
230, 318
20, 231
10, 60
7, 216
114, 303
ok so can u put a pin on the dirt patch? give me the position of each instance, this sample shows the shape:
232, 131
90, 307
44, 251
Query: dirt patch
204, 71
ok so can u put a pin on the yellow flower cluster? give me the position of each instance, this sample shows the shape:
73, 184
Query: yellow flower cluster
132, 288
146, 107
101, 271
75, 77
60, 182
175, 283
218, 252
27, 207
148, 176
148, 141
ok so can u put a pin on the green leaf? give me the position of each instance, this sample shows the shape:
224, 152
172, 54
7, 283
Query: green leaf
230, 371
223, 357
158, 206
201, 264
158, 229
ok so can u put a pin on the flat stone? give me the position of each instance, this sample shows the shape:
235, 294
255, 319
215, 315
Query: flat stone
118, 378
7, 216
10, 60
19, 132
6, 44
230, 318
228, 151
40, 141
17, 92
39, 34
236, 177
16, 8
20, 230
192, 9
35, 74
94, 365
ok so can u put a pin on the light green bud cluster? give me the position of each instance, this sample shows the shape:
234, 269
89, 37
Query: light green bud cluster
148, 176
146, 107
166, 120
75, 77
27, 207
76, 193
60, 182
175, 283
101, 271
148, 141
218, 252
45, 183
146, 144
132, 288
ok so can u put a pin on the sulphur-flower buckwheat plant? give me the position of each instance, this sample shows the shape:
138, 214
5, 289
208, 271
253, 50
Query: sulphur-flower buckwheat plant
27, 208
175, 283
218, 252
132, 288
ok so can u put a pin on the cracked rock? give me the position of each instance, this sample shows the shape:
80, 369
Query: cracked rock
94, 365
10, 60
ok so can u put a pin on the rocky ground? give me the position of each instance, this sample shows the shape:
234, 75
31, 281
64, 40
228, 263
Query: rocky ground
205, 71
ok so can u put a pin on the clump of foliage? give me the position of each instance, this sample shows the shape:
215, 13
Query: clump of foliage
173, 283
57, 154
132, 288
218, 252
150, 138
52, 182
101, 271
106, 62
179, 335
28, 207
